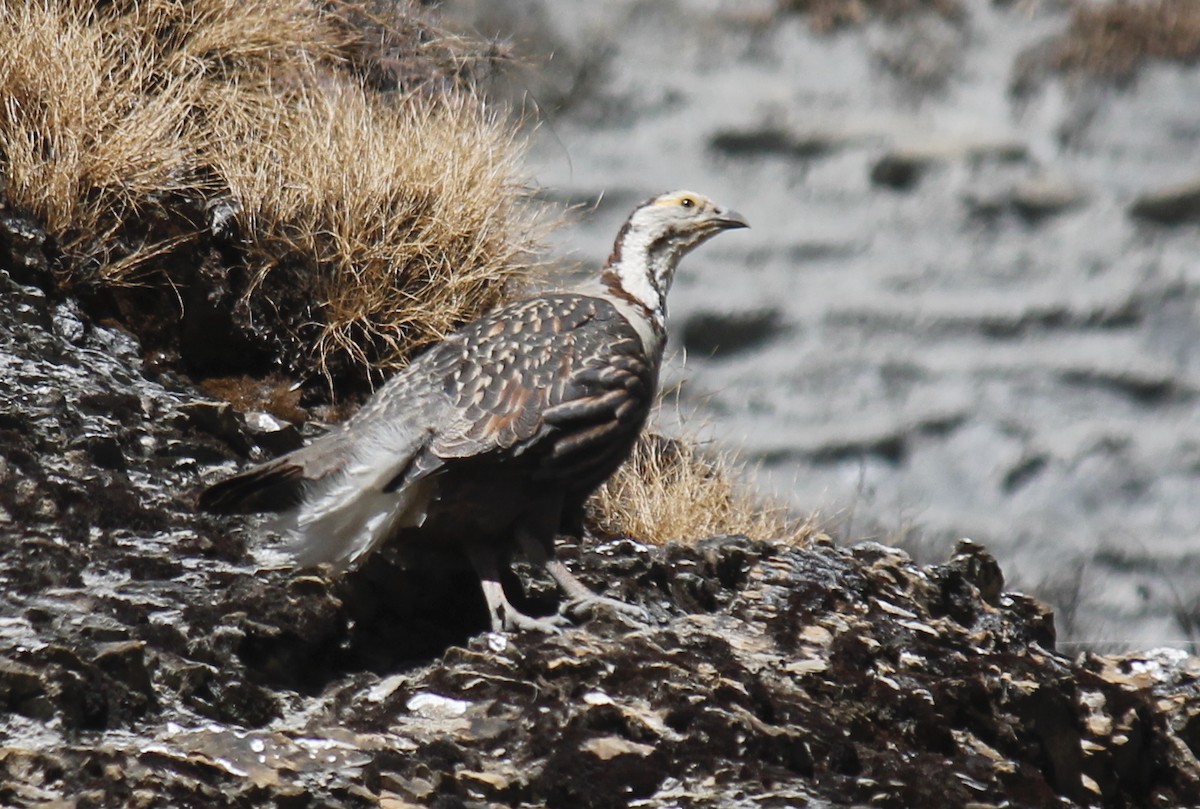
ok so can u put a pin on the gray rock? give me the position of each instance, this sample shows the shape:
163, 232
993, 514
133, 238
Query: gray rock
1034, 198
1176, 205
903, 167
840, 675
1041, 197
720, 334
772, 139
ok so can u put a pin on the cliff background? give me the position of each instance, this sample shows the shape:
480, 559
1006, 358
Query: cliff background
970, 302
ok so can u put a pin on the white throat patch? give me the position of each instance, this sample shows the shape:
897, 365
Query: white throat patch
635, 272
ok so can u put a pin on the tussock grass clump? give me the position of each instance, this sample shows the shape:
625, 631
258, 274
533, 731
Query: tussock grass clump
83, 141
670, 490
326, 172
401, 214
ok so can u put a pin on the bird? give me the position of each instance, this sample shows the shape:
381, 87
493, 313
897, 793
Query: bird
494, 438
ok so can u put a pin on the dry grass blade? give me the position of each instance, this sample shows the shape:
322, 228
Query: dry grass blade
1115, 38
81, 145
670, 490
389, 214
828, 15
405, 209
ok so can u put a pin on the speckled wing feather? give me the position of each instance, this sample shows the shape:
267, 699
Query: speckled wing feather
560, 383
561, 380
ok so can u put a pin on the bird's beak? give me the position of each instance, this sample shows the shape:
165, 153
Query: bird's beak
728, 220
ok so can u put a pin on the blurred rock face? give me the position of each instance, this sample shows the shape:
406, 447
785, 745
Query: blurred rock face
970, 303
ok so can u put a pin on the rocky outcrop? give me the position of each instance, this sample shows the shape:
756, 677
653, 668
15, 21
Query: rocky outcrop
1179, 204
147, 658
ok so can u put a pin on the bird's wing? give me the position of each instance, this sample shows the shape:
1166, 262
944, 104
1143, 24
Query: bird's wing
563, 377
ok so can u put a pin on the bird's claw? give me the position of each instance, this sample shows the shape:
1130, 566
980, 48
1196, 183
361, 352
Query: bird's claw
581, 608
550, 625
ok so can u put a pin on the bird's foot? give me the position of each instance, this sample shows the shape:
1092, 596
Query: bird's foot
583, 607
514, 621
581, 602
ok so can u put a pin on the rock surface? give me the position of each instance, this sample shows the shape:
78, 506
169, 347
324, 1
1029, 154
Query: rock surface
1176, 205
147, 659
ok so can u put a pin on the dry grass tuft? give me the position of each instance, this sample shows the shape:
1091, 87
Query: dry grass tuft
670, 490
82, 144
827, 15
273, 394
365, 188
405, 210
1114, 39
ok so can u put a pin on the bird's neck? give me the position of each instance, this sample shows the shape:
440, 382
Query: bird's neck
640, 270
636, 279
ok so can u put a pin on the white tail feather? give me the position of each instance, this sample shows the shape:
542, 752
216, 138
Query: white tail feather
355, 527
347, 515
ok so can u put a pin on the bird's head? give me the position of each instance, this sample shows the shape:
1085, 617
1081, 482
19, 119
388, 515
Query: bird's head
658, 234
683, 219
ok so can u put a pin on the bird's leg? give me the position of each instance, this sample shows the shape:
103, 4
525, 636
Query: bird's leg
580, 599
504, 616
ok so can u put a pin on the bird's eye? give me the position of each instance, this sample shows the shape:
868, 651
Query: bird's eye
687, 202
